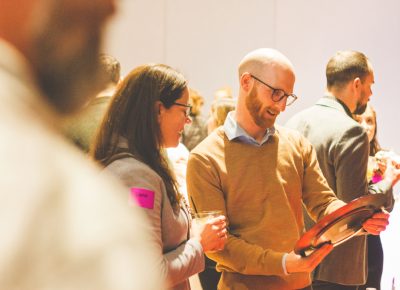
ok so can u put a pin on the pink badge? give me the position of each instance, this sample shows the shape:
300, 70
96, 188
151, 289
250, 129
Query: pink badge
143, 197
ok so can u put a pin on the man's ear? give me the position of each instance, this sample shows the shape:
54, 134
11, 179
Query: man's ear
357, 83
246, 82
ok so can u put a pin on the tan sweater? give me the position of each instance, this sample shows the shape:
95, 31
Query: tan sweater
261, 190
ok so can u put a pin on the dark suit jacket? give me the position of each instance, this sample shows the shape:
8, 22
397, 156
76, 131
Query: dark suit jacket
342, 150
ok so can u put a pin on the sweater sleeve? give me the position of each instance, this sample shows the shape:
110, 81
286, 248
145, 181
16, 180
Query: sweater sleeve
183, 262
239, 256
179, 263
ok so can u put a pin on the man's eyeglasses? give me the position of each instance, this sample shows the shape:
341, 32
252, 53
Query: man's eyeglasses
278, 94
188, 108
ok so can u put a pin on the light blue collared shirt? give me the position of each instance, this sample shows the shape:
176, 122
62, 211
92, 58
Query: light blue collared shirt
234, 131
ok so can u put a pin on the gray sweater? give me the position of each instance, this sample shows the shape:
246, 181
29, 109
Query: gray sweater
182, 256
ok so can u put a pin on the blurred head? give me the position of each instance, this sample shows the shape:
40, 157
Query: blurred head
110, 68
197, 102
265, 74
351, 67
223, 93
61, 40
220, 109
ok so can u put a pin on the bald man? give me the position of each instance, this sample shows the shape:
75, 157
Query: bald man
259, 174
63, 226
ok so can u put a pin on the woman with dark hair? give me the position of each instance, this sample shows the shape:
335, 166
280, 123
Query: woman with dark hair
368, 121
376, 171
147, 114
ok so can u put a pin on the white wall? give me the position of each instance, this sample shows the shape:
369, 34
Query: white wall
318, 28
137, 33
206, 40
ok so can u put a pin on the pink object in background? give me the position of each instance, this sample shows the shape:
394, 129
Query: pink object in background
376, 178
143, 197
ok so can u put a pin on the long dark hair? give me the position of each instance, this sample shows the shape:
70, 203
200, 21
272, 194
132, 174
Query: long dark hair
133, 114
374, 146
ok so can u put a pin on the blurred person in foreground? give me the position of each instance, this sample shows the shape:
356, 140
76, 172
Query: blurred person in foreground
260, 174
196, 131
147, 115
342, 148
62, 227
81, 127
376, 172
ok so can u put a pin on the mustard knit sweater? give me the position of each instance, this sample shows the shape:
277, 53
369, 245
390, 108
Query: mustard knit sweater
261, 190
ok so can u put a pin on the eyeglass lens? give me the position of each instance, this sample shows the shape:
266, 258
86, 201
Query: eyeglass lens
279, 94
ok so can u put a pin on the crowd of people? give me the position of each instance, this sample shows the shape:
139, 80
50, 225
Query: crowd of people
117, 210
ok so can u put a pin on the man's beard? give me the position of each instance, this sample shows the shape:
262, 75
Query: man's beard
360, 109
254, 105
68, 81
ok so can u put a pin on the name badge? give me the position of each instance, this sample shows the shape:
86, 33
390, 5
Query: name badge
143, 197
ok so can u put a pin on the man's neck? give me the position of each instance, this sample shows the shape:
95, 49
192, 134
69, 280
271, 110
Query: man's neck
343, 96
247, 123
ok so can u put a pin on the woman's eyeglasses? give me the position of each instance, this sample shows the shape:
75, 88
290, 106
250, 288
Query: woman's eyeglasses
188, 108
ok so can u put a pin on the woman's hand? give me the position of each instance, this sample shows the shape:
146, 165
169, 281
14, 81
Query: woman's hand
211, 233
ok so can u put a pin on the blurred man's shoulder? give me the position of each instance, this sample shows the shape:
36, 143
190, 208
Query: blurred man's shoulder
51, 184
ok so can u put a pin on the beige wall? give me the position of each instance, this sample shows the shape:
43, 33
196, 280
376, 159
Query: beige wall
206, 40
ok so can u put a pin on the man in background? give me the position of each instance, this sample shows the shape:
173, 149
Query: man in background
62, 226
81, 128
342, 148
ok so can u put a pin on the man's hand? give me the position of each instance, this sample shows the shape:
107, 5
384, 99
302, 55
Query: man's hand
377, 223
296, 263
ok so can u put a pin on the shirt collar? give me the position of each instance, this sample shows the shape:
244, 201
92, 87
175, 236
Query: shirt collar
333, 102
234, 131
